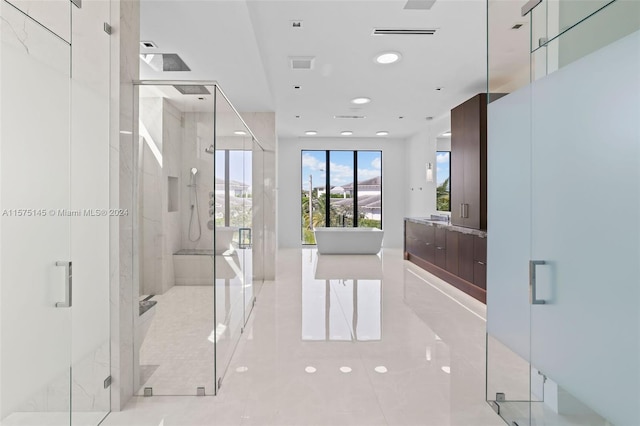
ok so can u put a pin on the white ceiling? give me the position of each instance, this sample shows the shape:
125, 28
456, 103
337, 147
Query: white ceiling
245, 44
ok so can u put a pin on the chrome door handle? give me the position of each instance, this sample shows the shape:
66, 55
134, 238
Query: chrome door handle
532, 282
462, 210
68, 290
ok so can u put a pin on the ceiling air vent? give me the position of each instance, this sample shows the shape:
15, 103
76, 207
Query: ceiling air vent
419, 4
189, 89
164, 62
404, 31
301, 62
349, 116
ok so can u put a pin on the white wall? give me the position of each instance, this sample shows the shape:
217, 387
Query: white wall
421, 149
289, 184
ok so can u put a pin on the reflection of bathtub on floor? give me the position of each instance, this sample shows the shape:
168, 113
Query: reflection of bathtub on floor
355, 267
195, 266
348, 240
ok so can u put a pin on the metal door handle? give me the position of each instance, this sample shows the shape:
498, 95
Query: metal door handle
68, 290
462, 210
532, 282
466, 210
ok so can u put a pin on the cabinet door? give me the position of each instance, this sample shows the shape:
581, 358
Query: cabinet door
471, 163
452, 251
428, 240
480, 261
411, 238
441, 248
457, 164
465, 257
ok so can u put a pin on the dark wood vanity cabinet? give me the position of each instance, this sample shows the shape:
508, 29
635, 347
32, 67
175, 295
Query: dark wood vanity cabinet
441, 247
469, 162
465, 257
480, 262
457, 257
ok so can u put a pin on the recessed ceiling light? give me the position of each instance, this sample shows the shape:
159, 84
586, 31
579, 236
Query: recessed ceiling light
346, 133
309, 369
310, 133
242, 369
240, 132
381, 369
388, 58
345, 369
360, 101
382, 133
446, 369
447, 133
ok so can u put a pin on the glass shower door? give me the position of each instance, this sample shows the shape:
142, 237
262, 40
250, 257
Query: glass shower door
585, 300
35, 257
562, 326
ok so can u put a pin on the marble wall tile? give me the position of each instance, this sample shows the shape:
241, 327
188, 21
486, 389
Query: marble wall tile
53, 14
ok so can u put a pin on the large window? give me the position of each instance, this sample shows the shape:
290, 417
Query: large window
443, 178
340, 189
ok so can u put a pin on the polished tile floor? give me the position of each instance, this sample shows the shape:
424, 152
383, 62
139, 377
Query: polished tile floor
340, 340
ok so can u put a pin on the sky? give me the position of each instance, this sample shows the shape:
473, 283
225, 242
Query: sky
341, 167
442, 166
239, 165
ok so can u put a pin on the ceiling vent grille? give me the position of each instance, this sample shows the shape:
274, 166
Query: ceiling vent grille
419, 4
404, 31
301, 62
189, 89
349, 117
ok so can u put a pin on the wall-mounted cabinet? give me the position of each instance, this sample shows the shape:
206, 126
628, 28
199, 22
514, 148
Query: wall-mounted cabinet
469, 162
457, 255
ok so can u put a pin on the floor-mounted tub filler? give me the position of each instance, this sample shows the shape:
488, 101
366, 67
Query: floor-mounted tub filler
348, 240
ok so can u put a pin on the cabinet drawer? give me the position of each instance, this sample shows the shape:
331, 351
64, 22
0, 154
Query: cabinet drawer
465, 256
441, 248
479, 249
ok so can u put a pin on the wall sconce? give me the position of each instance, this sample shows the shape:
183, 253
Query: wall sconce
429, 173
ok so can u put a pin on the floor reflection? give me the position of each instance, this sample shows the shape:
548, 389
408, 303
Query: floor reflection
341, 297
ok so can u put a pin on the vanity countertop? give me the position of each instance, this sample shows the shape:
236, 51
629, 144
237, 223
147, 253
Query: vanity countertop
443, 224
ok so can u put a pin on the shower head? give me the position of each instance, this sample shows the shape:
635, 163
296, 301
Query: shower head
194, 171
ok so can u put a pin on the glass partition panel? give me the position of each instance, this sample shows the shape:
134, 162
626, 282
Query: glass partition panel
35, 195
233, 238
546, 261
508, 47
175, 331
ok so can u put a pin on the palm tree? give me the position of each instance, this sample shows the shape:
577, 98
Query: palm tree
442, 196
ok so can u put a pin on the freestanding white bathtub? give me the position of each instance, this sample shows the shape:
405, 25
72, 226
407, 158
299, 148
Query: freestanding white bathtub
224, 236
348, 240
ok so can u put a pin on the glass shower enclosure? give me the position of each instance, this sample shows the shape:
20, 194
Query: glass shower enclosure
563, 299
199, 268
54, 226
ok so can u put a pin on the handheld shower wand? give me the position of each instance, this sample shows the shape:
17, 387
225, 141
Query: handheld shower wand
194, 205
